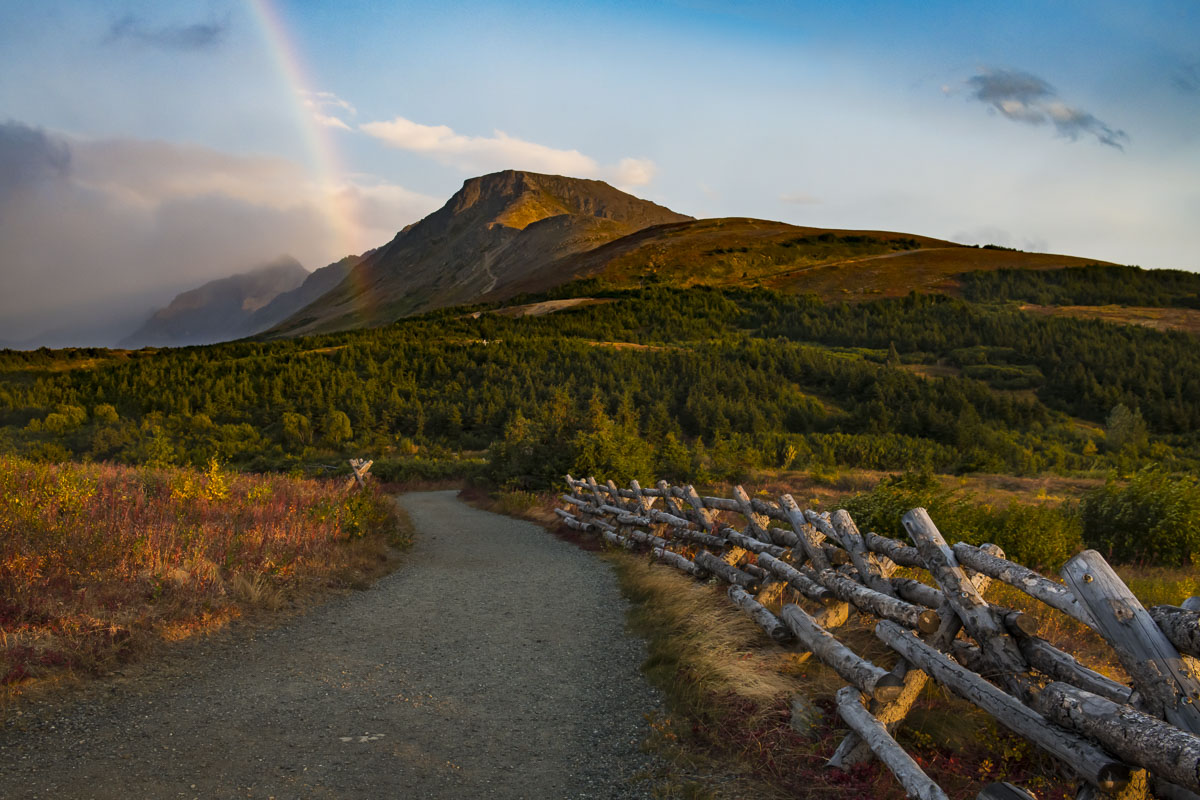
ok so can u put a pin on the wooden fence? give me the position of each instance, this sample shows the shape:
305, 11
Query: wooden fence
1104, 732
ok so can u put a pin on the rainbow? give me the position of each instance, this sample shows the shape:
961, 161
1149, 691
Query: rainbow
325, 161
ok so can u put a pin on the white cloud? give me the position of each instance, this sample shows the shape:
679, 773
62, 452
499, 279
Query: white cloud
330, 122
323, 107
501, 151
634, 172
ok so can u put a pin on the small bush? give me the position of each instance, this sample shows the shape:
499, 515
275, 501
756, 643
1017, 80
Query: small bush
1154, 519
1039, 536
515, 502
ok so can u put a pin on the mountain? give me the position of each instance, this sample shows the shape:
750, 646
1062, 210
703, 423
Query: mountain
319, 282
511, 233
219, 310
494, 232
833, 263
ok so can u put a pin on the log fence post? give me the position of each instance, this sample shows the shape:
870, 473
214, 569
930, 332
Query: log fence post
1158, 671
1079, 716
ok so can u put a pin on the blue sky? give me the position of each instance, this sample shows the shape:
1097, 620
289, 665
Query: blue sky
146, 146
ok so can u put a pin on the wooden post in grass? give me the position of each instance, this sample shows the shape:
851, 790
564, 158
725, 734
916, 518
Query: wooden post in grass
966, 600
1158, 671
669, 501
1136, 737
853, 750
914, 780
754, 527
1036, 586
360, 466
727, 572
857, 671
644, 503
869, 574
1089, 761
810, 539
762, 616
1181, 626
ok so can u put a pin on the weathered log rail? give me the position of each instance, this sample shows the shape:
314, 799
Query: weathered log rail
1102, 731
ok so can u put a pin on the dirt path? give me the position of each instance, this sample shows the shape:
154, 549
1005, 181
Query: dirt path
493, 664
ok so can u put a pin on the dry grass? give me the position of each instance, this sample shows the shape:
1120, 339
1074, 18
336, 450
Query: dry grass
824, 488
99, 562
705, 635
730, 689
1177, 319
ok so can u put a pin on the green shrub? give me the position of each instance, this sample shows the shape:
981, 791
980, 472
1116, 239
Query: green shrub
1038, 536
1154, 518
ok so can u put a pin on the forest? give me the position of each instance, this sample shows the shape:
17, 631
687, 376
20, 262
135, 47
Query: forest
1095, 285
692, 384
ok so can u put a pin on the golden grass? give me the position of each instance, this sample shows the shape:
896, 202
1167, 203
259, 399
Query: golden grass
698, 633
99, 562
1178, 319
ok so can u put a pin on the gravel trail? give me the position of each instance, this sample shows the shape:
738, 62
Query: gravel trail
494, 663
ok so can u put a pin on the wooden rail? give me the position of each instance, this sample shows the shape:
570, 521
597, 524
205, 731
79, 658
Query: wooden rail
1102, 731
359, 467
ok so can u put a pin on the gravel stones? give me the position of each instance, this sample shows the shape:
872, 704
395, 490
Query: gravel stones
494, 663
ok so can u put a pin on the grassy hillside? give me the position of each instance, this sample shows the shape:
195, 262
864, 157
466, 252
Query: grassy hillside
834, 264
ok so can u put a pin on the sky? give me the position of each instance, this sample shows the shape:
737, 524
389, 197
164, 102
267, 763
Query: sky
147, 147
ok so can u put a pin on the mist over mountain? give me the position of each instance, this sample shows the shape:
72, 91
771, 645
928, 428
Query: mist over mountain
318, 283
219, 310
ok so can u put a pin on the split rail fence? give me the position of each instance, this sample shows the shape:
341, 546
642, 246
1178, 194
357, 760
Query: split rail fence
1104, 732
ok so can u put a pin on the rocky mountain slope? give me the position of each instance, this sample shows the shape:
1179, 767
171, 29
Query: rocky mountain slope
491, 235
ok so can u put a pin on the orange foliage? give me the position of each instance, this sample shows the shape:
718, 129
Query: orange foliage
96, 560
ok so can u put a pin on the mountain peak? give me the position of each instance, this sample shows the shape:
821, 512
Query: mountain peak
517, 199
495, 230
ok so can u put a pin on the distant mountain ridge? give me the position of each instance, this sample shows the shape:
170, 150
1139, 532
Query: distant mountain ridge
220, 310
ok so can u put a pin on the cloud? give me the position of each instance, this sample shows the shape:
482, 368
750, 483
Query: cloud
196, 36
323, 106
501, 151
27, 156
1023, 97
90, 225
799, 199
634, 172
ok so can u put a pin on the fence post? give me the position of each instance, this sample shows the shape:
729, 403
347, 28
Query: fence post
1157, 670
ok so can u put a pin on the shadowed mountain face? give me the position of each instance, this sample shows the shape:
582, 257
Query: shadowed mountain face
318, 283
219, 310
495, 232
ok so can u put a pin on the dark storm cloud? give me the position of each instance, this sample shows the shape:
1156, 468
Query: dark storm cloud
28, 156
197, 36
1024, 97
